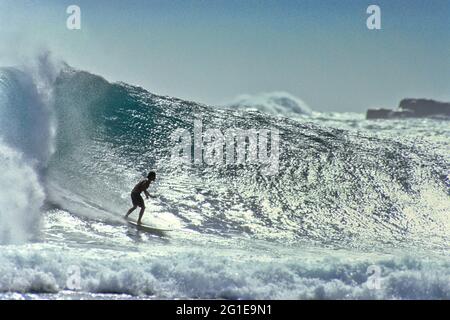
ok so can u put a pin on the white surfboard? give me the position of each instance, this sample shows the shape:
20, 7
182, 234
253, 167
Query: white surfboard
147, 228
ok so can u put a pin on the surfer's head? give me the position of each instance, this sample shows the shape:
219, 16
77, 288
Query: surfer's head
151, 176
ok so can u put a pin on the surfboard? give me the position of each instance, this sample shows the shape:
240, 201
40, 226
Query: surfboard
147, 228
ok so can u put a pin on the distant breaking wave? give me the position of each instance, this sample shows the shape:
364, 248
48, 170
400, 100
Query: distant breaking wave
274, 103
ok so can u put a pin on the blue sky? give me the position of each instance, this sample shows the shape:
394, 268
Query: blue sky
213, 50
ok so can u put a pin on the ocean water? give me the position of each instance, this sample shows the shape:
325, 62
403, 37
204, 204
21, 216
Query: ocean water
357, 209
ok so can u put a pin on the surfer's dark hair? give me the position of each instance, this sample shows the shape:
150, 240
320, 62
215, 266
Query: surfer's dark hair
151, 175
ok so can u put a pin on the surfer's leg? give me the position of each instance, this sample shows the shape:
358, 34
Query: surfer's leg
137, 201
140, 202
141, 213
130, 211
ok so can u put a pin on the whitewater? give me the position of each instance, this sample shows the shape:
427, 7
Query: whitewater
357, 210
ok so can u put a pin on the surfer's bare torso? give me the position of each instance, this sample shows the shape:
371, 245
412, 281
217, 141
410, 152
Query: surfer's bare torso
142, 186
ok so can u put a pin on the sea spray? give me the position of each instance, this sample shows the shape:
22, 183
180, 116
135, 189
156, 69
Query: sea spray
27, 132
21, 197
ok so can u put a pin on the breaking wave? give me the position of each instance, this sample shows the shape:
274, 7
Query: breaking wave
73, 145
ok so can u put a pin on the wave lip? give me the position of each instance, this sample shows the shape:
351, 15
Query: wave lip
26, 119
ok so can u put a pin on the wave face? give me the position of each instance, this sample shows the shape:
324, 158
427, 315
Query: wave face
72, 160
333, 186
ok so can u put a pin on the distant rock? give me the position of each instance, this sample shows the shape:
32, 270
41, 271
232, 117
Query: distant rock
425, 107
412, 108
275, 103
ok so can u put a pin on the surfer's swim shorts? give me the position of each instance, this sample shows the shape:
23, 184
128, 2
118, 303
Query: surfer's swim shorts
137, 199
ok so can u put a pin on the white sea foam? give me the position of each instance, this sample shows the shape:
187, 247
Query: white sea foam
195, 273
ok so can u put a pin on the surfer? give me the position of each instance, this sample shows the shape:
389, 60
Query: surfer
136, 197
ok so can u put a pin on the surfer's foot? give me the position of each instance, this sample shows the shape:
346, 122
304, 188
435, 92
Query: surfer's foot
139, 222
